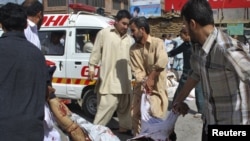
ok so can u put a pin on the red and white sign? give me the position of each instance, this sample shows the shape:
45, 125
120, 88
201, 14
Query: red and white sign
178, 4
54, 20
174, 4
230, 3
85, 71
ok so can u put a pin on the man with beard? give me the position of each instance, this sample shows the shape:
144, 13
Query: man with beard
34, 11
221, 65
148, 63
113, 87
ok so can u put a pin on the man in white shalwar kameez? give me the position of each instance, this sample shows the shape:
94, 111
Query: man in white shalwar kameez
113, 87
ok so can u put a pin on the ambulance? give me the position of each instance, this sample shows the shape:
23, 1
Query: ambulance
63, 38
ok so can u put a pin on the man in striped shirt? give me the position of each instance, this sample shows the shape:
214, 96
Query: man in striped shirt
221, 65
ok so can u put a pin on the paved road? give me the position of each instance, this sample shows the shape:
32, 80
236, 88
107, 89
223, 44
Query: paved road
187, 128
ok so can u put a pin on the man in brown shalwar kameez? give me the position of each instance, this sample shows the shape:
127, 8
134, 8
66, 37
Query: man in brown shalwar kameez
148, 62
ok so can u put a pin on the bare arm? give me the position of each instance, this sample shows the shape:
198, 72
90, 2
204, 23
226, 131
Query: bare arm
189, 85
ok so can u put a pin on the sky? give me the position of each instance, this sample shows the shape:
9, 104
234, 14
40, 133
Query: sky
14, 1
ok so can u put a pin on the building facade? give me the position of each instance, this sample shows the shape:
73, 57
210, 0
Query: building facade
62, 6
169, 22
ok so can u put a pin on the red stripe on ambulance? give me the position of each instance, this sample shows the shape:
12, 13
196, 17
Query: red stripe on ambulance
68, 81
59, 80
73, 81
78, 81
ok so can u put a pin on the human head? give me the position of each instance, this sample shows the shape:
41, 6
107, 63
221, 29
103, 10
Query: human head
196, 14
122, 21
169, 36
139, 28
136, 11
92, 35
13, 17
246, 39
56, 37
164, 36
235, 36
34, 10
184, 34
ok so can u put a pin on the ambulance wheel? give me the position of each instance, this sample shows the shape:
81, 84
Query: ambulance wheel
89, 103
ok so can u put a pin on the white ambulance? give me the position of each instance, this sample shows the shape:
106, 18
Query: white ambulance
64, 39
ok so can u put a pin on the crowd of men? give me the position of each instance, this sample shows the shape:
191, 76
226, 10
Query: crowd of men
30, 110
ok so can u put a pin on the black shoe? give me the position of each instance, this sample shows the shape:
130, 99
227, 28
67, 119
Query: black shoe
143, 139
128, 132
173, 136
114, 128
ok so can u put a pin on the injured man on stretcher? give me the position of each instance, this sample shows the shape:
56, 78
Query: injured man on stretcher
76, 127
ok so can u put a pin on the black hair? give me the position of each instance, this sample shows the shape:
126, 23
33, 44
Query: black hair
33, 7
184, 30
137, 9
58, 33
93, 33
140, 22
198, 10
13, 17
122, 14
164, 35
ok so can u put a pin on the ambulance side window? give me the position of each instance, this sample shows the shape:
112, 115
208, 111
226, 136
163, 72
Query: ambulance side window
85, 40
53, 42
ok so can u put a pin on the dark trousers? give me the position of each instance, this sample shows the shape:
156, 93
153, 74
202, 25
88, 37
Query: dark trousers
204, 136
199, 97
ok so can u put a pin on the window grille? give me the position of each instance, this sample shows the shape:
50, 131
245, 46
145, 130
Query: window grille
53, 3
